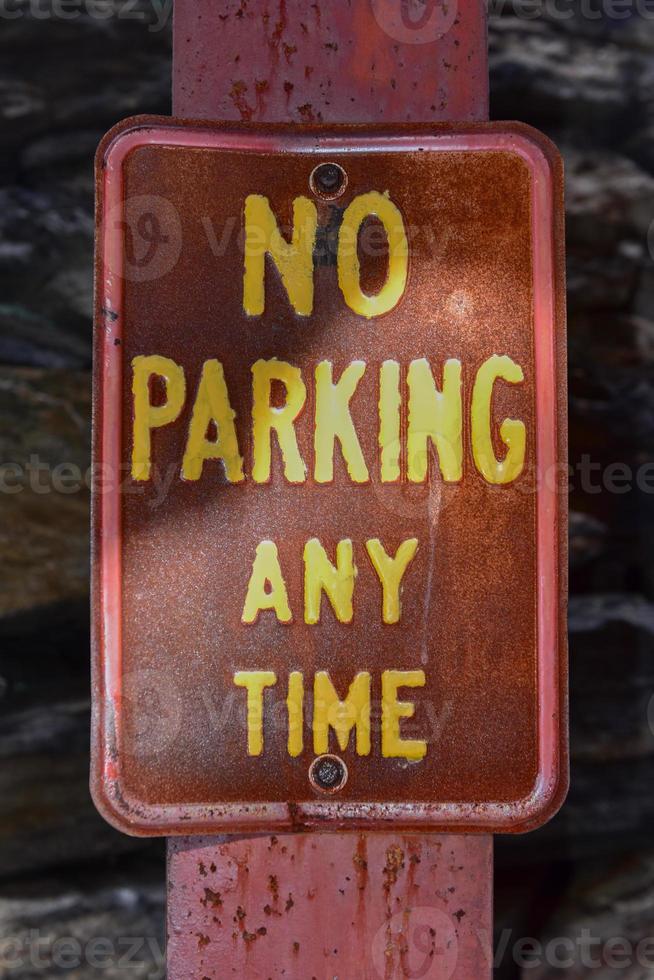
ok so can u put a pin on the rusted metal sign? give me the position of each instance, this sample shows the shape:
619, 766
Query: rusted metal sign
329, 534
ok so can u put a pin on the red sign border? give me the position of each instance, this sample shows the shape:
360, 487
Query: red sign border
541, 157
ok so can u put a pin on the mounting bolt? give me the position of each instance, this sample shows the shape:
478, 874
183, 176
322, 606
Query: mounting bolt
328, 181
328, 774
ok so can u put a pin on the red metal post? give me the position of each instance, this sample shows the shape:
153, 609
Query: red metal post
357, 907
357, 61
327, 905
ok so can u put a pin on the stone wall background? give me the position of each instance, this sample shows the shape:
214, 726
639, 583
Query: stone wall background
589, 84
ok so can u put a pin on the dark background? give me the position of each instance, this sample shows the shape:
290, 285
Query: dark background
589, 84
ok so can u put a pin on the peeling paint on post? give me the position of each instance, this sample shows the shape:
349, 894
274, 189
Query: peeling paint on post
374, 907
362, 61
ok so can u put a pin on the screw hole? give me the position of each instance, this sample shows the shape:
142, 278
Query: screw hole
328, 181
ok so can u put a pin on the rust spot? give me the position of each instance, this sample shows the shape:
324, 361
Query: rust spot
237, 95
414, 848
360, 862
289, 50
296, 820
261, 87
212, 899
203, 941
306, 111
394, 864
280, 27
289, 902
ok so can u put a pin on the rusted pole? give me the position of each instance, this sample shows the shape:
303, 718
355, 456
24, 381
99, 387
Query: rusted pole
324, 906
357, 907
366, 61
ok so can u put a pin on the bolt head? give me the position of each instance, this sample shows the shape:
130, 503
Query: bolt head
328, 774
328, 181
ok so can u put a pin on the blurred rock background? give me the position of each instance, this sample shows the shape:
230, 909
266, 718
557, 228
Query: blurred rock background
589, 83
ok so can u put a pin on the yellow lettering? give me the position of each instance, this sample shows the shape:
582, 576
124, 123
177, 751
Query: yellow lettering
333, 421
390, 572
212, 406
389, 421
337, 581
295, 706
342, 716
267, 417
294, 260
148, 416
349, 267
255, 682
512, 431
436, 416
266, 588
393, 746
